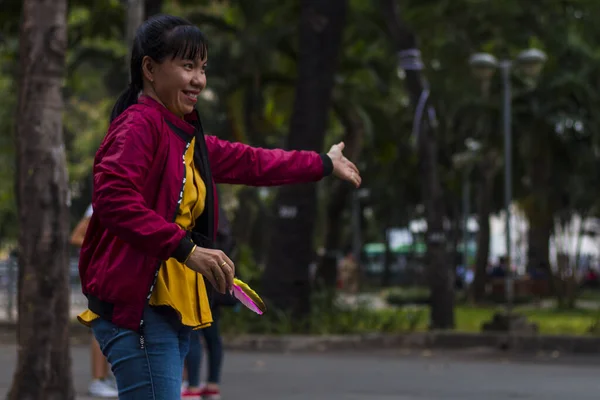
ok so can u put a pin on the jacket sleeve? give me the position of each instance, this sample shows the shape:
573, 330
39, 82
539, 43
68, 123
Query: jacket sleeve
237, 163
120, 171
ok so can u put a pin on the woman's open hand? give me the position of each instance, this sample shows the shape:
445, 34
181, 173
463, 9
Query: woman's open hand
342, 167
214, 265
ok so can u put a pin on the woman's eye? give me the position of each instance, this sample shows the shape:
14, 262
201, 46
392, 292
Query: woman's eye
188, 66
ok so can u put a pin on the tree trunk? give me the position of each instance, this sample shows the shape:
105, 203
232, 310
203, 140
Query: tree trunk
386, 276
540, 211
571, 280
439, 268
484, 209
455, 235
44, 367
286, 277
245, 215
538, 238
135, 16
259, 242
339, 194
538, 251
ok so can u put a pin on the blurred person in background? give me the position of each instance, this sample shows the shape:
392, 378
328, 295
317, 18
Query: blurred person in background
192, 388
102, 384
349, 273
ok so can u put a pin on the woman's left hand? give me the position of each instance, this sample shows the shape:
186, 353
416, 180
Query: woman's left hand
342, 167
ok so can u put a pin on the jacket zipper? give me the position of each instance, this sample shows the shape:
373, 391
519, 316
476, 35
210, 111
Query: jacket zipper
142, 338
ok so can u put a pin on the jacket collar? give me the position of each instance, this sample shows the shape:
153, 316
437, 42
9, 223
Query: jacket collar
187, 124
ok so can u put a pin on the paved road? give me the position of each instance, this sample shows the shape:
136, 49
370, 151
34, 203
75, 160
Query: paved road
384, 376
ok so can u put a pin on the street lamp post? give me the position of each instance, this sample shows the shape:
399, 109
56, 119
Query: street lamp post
466, 197
530, 62
505, 67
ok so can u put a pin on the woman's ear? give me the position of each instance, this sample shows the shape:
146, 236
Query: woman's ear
148, 68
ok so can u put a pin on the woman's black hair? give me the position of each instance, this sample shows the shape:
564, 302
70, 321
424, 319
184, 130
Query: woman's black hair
159, 37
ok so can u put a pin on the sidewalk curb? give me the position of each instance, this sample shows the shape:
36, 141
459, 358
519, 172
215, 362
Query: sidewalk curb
425, 340
524, 343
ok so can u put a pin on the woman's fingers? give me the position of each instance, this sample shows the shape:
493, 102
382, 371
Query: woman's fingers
354, 173
230, 264
353, 167
219, 276
354, 177
228, 268
229, 272
215, 266
211, 279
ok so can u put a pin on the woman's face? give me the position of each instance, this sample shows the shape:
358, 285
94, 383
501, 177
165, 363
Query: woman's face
176, 83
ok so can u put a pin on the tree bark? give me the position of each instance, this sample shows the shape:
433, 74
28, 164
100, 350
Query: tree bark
439, 266
540, 212
44, 367
386, 276
286, 277
135, 16
538, 239
245, 215
339, 194
538, 250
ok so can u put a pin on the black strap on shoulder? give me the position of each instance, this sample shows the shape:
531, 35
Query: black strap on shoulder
179, 132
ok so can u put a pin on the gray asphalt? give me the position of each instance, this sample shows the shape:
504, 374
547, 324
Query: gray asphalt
396, 375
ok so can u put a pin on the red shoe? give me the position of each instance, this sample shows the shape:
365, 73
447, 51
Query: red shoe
211, 394
194, 394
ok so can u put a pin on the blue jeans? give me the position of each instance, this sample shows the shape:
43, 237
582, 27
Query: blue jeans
214, 346
154, 372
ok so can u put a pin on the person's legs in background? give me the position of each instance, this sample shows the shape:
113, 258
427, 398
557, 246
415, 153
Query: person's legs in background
193, 363
214, 347
101, 384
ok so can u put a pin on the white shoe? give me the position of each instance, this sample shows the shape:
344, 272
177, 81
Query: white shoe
102, 388
111, 381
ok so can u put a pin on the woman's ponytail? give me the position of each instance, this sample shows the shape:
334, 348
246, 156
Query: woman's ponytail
130, 96
127, 98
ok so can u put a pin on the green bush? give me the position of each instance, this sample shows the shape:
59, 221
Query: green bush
517, 300
550, 321
403, 320
246, 267
400, 296
324, 319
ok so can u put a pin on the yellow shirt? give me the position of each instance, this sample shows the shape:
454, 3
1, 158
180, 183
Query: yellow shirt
178, 286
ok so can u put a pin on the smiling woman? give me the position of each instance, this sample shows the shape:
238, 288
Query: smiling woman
177, 82
149, 247
168, 63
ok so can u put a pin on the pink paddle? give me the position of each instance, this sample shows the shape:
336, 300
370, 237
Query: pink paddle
248, 297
